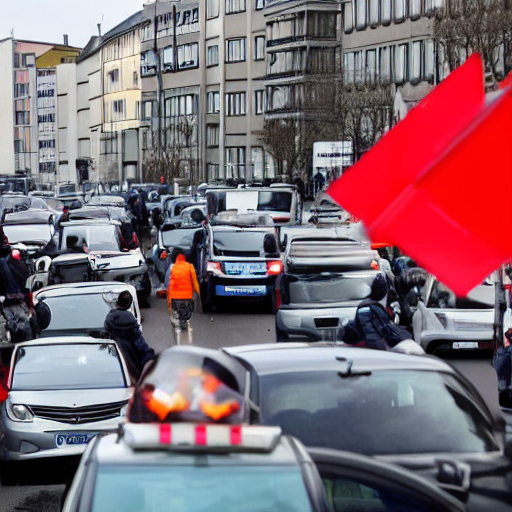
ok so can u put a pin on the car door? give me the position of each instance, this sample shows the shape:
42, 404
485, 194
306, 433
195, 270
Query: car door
356, 483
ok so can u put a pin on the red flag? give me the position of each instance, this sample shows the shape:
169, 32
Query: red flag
437, 184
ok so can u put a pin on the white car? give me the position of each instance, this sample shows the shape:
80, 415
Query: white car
81, 308
63, 391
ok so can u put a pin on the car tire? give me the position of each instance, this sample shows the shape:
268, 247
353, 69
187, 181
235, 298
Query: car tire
9, 473
442, 351
281, 336
206, 299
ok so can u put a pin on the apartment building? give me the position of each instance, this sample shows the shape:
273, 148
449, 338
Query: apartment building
108, 104
203, 71
28, 142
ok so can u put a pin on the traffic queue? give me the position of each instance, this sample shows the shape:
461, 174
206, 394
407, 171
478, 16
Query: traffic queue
346, 412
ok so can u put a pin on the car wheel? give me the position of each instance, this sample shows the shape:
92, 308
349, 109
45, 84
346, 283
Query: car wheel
281, 336
442, 351
206, 299
144, 300
9, 473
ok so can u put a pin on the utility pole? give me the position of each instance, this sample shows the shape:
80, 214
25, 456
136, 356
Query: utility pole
156, 53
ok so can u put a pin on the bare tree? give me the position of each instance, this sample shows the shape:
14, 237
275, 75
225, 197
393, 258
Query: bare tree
463, 27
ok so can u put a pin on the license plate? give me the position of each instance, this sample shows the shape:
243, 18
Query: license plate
245, 269
233, 291
62, 440
464, 344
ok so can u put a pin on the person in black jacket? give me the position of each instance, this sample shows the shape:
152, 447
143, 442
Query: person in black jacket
122, 326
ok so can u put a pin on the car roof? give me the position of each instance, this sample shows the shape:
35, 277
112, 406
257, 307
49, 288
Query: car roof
233, 228
268, 359
111, 449
90, 222
65, 340
67, 289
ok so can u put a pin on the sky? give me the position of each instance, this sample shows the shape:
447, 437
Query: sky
48, 20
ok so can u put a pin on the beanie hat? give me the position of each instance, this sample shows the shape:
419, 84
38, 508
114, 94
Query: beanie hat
379, 288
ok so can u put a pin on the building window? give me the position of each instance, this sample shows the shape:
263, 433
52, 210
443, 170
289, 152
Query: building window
147, 63
212, 9
213, 102
212, 135
235, 162
371, 65
322, 25
416, 64
235, 50
360, 14
259, 48
42, 118
432, 5
145, 33
188, 56
118, 110
400, 63
429, 60
348, 17
385, 64
178, 106
287, 62
374, 12
385, 12
400, 10
213, 172
212, 56
414, 9
147, 110
234, 6
257, 163
322, 60
260, 4
135, 79
235, 104
349, 67
259, 102
168, 59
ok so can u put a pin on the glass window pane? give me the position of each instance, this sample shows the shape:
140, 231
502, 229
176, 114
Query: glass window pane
360, 14
348, 16
385, 11
374, 12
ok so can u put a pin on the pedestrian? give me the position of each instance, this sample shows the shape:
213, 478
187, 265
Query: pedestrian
123, 327
502, 363
180, 294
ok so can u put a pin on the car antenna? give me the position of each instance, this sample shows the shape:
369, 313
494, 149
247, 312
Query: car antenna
348, 372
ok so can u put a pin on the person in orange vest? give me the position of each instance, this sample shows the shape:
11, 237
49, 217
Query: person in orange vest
180, 295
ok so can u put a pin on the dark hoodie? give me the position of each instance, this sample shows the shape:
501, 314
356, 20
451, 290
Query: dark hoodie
125, 330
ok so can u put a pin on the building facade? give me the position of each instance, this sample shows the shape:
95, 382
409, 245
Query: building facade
28, 141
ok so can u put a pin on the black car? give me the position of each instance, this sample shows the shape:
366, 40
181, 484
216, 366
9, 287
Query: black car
238, 262
415, 411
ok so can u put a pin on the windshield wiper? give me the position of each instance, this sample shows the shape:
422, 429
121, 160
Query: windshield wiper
348, 372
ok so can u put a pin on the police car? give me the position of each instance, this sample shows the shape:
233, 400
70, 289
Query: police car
211, 467
187, 447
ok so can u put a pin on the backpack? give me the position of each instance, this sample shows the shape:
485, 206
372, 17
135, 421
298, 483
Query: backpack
376, 328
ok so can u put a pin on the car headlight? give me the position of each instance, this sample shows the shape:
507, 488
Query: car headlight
19, 412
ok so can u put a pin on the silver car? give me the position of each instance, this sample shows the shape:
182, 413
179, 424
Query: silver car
445, 322
62, 392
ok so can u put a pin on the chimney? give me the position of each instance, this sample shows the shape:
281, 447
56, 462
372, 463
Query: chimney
66, 40
99, 29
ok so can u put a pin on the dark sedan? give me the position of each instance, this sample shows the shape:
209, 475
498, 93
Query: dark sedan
410, 410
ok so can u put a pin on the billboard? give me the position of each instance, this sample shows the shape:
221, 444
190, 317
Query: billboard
330, 158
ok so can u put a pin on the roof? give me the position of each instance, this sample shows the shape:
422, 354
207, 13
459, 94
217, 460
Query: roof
303, 357
57, 340
97, 42
110, 451
88, 287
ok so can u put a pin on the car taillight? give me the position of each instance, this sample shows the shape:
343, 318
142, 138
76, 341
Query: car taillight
279, 301
163, 255
274, 268
214, 267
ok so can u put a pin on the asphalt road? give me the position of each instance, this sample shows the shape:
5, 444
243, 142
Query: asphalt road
235, 325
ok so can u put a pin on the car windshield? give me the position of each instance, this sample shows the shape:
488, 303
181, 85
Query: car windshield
240, 242
28, 233
178, 238
481, 297
386, 412
97, 238
72, 313
199, 488
328, 287
67, 366
273, 201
